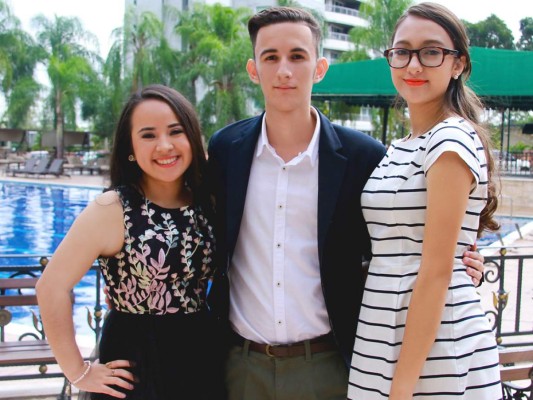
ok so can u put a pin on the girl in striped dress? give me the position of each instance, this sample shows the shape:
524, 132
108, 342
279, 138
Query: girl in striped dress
422, 332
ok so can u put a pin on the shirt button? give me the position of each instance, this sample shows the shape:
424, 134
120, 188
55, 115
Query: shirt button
280, 206
284, 168
278, 284
278, 245
279, 322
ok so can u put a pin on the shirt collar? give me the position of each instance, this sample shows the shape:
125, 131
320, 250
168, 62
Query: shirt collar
312, 148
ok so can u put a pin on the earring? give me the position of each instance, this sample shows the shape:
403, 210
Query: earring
131, 158
456, 76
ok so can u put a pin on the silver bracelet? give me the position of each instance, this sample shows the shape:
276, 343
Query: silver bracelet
88, 363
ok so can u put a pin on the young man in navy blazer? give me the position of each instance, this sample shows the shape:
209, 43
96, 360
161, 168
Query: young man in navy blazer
291, 236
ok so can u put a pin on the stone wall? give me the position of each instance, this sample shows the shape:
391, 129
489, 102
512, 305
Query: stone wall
516, 197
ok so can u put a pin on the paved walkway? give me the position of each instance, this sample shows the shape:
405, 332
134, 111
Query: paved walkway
75, 180
48, 389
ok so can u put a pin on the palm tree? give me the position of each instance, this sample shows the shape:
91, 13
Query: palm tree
148, 55
113, 88
216, 47
70, 68
18, 58
374, 38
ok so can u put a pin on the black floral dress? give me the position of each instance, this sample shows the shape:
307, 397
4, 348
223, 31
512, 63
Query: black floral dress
158, 284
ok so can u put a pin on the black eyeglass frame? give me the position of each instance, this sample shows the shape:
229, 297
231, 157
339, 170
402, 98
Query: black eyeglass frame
445, 52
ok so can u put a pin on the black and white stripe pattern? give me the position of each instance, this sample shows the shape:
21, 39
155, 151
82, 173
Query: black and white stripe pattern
463, 362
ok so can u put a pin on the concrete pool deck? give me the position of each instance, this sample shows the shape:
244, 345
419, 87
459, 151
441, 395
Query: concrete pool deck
49, 388
73, 180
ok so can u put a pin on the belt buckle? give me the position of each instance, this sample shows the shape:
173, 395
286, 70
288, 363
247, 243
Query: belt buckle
268, 352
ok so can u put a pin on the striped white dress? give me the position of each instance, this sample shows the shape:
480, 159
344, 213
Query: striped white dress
463, 362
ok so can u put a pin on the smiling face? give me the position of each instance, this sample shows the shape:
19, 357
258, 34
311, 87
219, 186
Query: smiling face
160, 145
418, 84
286, 65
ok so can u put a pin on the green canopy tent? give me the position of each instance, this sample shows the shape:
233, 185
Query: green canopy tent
502, 78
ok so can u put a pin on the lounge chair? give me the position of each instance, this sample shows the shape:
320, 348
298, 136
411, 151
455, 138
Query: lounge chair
103, 165
29, 165
92, 166
56, 168
40, 167
74, 163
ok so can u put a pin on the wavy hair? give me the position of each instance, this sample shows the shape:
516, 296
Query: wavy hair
125, 172
459, 98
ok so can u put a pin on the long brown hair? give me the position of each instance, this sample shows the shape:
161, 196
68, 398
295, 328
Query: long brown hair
459, 98
125, 172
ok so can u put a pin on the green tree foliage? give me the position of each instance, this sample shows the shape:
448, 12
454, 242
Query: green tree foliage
313, 11
519, 147
526, 29
148, 55
18, 58
375, 37
369, 42
216, 47
491, 33
112, 90
70, 69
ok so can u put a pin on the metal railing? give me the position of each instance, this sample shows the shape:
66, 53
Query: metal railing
339, 36
509, 277
514, 163
505, 274
505, 277
27, 266
342, 10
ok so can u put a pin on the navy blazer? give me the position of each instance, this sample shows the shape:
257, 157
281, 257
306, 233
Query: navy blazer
346, 160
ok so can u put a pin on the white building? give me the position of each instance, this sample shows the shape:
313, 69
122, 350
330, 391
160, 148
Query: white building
339, 15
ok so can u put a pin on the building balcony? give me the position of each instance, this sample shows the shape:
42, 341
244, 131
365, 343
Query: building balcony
343, 15
342, 10
337, 41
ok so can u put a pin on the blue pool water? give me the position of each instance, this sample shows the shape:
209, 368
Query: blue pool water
507, 226
34, 218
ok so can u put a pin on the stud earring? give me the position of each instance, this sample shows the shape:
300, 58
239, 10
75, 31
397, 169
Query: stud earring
456, 76
131, 158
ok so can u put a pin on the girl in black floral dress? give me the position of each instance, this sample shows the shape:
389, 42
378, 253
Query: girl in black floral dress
154, 243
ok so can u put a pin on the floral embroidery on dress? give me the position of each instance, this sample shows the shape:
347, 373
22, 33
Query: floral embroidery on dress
165, 263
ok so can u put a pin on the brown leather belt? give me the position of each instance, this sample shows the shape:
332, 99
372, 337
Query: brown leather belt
316, 345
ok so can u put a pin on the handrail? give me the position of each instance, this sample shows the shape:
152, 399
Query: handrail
507, 270
342, 10
34, 270
504, 269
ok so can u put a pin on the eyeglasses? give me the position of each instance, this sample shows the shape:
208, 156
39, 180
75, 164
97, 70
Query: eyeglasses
427, 56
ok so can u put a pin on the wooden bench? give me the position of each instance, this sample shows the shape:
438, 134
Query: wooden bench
23, 352
516, 364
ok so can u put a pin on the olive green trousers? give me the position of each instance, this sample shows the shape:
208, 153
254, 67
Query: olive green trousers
255, 376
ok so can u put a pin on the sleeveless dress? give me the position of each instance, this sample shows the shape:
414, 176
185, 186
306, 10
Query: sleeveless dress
463, 362
158, 284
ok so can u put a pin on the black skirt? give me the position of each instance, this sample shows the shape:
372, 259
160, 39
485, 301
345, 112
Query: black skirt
176, 356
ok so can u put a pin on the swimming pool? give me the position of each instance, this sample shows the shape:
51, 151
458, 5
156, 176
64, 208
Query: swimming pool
34, 218
508, 226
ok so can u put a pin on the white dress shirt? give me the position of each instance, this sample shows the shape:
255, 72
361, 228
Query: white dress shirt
275, 289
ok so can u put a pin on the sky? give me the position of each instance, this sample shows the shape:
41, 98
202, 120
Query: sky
101, 17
